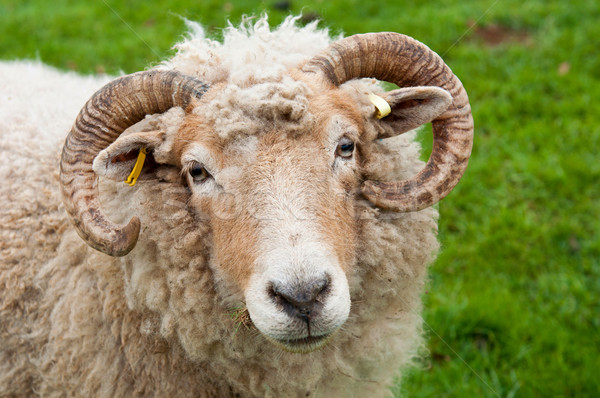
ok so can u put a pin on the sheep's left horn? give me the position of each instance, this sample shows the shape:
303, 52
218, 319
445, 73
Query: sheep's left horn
112, 109
406, 62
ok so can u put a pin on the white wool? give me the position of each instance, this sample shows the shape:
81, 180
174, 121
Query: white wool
250, 51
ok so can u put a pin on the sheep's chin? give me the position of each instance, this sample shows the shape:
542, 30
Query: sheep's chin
303, 345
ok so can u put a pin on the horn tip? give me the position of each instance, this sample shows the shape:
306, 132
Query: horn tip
125, 239
119, 242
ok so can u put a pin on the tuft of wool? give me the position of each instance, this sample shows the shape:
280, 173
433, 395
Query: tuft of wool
251, 63
251, 52
158, 322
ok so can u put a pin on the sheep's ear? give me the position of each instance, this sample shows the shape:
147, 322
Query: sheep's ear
412, 107
118, 160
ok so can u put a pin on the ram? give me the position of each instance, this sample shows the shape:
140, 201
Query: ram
274, 235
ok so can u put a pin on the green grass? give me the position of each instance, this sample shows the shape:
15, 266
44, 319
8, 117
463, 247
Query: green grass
513, 307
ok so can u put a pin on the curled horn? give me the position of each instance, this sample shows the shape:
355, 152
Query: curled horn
111, 110
406, 62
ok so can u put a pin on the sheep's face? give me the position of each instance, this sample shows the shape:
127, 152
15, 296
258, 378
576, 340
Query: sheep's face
280, 202
274, 168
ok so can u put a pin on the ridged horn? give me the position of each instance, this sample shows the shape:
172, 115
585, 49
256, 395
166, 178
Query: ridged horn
111, 110
406, 62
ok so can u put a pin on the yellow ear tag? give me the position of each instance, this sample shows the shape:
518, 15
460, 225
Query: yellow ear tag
381, 105
137, 169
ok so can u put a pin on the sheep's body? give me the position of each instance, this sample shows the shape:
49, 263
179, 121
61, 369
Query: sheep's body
158, 322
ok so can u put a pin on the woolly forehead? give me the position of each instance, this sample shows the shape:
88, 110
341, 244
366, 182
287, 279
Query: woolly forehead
229, 117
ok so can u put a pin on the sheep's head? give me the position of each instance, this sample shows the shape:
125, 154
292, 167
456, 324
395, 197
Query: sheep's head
280, 202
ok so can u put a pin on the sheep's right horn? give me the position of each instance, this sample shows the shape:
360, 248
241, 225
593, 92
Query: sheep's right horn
406, 62
112, 109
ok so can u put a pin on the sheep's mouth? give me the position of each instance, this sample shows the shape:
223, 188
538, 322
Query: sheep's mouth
303, 345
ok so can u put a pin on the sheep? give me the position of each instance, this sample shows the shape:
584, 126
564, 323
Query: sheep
259, 253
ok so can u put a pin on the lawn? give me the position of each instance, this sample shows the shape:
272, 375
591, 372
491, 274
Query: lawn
513, 303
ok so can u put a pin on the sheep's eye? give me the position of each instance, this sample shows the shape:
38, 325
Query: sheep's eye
345, 148
198, 173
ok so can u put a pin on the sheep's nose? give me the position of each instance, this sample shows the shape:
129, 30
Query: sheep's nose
303, 300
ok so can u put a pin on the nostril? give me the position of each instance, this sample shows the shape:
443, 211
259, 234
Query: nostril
300, 299
318, 287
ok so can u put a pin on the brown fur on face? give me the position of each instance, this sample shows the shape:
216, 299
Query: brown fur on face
293, 169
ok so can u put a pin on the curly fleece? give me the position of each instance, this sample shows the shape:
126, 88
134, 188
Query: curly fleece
158, 322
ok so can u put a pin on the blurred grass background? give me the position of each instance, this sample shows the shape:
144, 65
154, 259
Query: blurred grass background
512, 309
